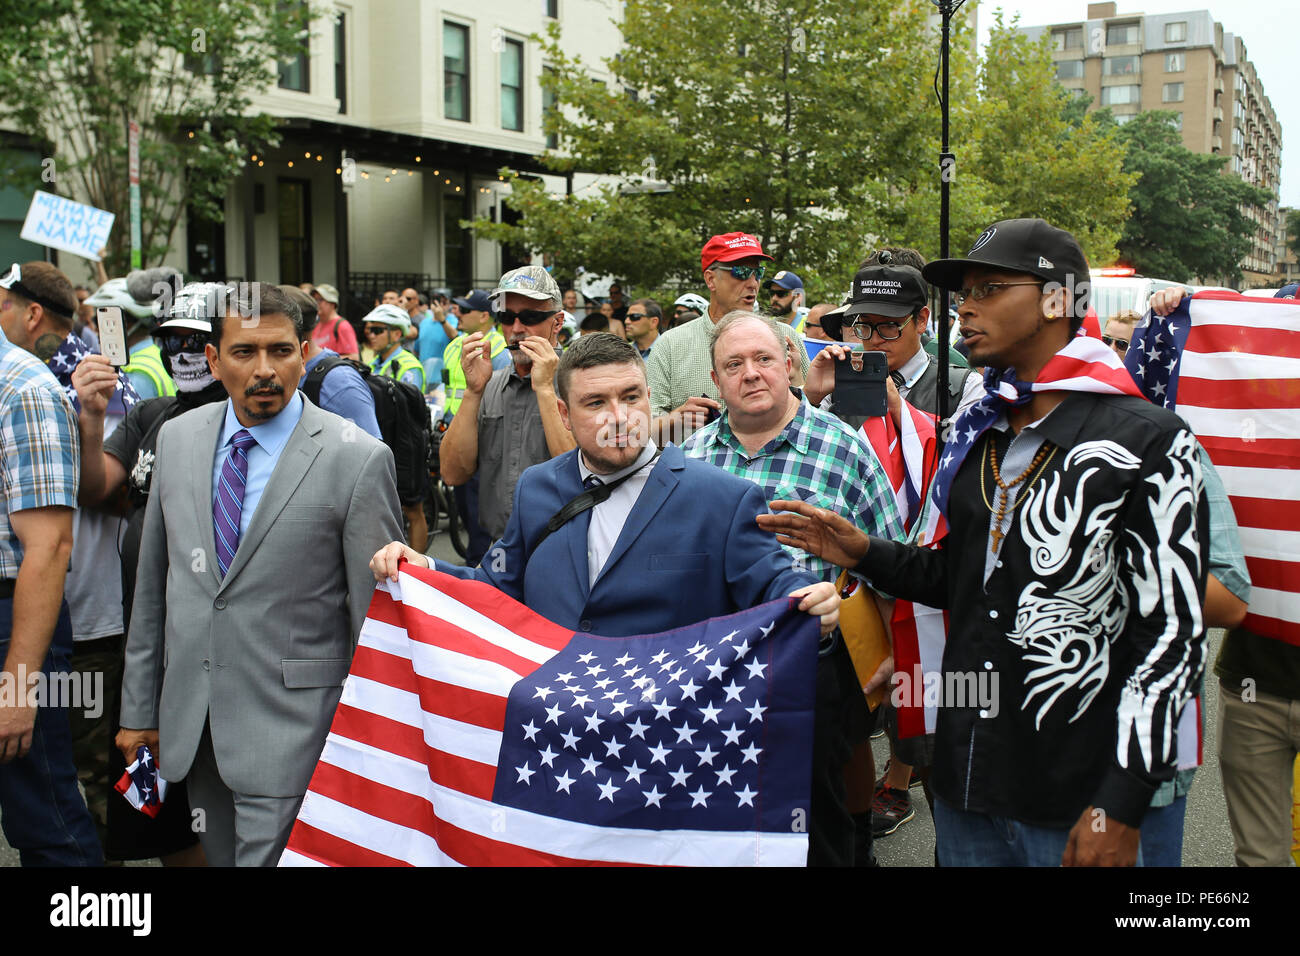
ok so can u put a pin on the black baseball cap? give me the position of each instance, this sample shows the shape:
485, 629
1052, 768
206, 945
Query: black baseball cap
1032, 246
893, 291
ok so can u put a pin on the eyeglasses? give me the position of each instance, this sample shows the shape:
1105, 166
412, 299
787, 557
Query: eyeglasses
1119, 345
528, 317
376, 329
985, 289
888, 331
811, 325
189, 342
743, 273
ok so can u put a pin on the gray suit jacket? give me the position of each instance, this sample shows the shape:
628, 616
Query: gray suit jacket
261, 654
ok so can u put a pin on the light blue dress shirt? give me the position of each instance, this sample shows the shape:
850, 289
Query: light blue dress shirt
270, 438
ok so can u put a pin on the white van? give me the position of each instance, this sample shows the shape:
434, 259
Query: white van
1118, 289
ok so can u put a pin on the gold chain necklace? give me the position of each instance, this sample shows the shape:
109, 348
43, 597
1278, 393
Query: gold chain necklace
1042, 458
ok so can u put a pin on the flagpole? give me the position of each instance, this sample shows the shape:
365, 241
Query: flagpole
947, 168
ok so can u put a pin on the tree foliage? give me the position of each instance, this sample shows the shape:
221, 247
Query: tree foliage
73, 73
1293, 231
1187, 213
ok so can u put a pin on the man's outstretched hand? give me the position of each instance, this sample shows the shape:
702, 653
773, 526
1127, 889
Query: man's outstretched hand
817, 531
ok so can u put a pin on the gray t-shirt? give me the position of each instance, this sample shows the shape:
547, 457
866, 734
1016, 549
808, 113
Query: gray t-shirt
510, 439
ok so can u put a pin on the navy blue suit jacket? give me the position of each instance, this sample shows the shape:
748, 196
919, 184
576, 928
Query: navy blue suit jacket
690, 550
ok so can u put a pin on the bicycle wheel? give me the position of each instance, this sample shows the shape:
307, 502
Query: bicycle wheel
456, 529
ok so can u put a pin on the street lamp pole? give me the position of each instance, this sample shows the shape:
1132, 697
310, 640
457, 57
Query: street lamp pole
947, 169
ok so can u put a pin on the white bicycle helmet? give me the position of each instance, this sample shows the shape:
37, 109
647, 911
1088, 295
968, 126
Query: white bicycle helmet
113, 292
693, 301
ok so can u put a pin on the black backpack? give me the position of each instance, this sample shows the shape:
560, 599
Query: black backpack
403, 418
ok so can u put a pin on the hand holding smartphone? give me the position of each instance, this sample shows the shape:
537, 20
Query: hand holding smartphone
112, 335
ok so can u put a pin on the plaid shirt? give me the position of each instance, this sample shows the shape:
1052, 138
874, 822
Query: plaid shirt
40, 448
818, 459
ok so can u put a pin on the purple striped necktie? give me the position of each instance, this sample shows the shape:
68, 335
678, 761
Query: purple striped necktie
229, 502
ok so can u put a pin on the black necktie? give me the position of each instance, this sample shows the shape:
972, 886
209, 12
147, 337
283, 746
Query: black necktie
591, 481
898, 379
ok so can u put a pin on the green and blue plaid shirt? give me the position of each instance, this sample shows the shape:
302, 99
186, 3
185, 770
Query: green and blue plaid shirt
818, 459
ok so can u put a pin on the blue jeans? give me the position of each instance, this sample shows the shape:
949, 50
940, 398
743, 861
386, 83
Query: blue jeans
965, 838
42, 812
1162, 834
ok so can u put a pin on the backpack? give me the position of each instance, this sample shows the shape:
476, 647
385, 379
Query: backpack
403, 420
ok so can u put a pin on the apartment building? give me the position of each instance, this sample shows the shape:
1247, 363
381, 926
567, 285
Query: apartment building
1188, 64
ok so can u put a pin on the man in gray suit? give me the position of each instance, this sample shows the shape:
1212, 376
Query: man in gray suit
252, 584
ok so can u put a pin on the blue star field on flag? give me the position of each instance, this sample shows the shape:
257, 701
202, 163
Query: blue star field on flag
1153, 354
65, 361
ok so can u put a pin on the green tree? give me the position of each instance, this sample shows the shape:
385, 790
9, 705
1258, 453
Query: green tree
73, 73
1040, 154
1293, 231
1188, 218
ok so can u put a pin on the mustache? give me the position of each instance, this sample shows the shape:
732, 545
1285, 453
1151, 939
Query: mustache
268, 386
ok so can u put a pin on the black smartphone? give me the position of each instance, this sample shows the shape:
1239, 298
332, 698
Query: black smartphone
713, 413
860, 384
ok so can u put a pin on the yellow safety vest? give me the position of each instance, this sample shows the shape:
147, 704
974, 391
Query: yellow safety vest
404, 362
148, 361
455, 374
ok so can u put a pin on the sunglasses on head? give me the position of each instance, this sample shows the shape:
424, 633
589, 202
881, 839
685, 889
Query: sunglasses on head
1120, 345
527, 316
743, 273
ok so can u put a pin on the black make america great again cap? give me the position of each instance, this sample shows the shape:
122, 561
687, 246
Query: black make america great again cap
892, 291
1032, 246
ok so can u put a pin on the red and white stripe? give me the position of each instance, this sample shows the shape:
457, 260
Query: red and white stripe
1239, 391
1086, 364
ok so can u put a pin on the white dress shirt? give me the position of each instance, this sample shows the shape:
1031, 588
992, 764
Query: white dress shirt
608, 517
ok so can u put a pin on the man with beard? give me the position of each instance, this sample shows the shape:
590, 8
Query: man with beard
786, 299
509, 419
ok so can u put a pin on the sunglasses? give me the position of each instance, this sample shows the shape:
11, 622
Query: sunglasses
633, 316
191, 342
743, 273
376, 329
888, 331
1119, 345
527, 316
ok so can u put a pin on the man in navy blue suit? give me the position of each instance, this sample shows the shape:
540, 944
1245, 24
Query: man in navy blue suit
674, 543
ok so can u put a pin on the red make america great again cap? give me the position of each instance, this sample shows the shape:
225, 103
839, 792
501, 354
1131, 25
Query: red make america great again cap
729, 247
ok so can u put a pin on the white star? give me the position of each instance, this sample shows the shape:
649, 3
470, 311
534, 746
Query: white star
548, 756
580, 701
564, 678
622, 660
530, 730
689, 689
650, 693
733, 735
755, 712
743, 647
725, 775
1172, 328
679, 776
755, 668
595, 720
589, 765
700, 798
587, 658
637, 728
653, 795
603, 683
746, 796
663, 709
660, 753
971, 434
706, 755
642, 681
607, 790
571, 739
696, 649
525, 772
1158, 388
658, 658
575, 689
947, 460
553, 714
668, 666
633, 772
677, 674
733, 690
751, 753
701, 655
621, 706
716, 670
632, 671
685, 732
612, 747
767, 630
563, 782
710, 713
595, 670
1172, 365
611, 694
543, 693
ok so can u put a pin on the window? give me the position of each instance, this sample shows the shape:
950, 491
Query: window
1071, 39
1122, 118
294, 215
548, 107
552, 8
1069, 69
295, 74
1176, 32
340, 62
455, 71
1178, 122
1173, 93
512, 85
1119, 95
1121, 65
1175, 62
1118, 34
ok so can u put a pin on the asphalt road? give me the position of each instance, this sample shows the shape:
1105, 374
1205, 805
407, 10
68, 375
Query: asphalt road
1207, 839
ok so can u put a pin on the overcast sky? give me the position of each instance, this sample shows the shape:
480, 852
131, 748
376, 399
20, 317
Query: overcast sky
1267, 27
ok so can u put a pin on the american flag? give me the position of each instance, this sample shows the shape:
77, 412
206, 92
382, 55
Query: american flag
65, 361
1230, 366
141, 785
472, 731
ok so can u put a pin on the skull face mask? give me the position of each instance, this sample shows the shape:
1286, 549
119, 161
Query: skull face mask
189, 370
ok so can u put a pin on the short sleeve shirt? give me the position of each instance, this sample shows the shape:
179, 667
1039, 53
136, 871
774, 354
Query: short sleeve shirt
510, 439
40, 447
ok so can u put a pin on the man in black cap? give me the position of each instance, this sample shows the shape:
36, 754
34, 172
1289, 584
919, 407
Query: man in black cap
888, 312
1073, 570
786, 298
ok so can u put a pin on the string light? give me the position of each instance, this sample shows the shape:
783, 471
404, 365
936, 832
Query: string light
337, 171
260, 163
306, 155
253, 158
318, 158
291, 167
191, 134
417, 159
